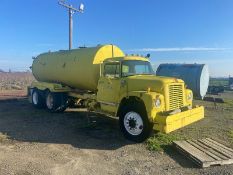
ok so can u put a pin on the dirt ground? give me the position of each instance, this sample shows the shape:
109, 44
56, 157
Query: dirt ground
37, 142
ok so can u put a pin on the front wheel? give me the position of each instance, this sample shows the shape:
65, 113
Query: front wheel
134, 123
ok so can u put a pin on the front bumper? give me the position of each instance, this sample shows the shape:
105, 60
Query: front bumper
173, 122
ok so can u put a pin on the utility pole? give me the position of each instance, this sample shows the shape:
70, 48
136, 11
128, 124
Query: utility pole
71, 11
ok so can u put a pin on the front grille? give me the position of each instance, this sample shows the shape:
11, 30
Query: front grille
175, 96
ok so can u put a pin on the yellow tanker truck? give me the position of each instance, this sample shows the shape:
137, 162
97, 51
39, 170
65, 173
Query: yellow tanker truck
105, 80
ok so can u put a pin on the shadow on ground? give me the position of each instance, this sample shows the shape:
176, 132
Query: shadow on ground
21, 122
178, 157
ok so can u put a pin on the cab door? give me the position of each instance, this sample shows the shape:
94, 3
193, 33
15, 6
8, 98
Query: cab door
109, 87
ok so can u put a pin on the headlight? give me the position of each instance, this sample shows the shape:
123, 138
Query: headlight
157, 102
190, 96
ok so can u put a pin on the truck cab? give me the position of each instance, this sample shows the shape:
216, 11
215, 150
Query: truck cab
129, 89
115, 75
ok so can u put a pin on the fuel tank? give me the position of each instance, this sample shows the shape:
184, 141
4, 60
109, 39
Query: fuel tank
77, 68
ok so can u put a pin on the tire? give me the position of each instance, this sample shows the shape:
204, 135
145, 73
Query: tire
134, 123
56, 102
71, 103
37, 99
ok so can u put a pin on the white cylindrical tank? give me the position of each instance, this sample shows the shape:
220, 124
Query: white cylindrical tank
196, 76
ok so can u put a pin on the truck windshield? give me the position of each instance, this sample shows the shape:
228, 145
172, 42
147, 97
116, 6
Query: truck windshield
136, 67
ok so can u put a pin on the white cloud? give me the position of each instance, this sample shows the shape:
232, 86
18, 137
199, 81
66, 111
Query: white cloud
179, 49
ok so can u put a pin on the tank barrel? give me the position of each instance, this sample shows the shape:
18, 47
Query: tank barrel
196, 76
77, 68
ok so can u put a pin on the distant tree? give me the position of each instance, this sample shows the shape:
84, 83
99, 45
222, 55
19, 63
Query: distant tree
9, 71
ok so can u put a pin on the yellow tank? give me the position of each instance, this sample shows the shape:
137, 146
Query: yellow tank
77, 68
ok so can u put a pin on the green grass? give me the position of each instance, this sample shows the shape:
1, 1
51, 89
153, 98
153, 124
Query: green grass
218, 81
3, 137
161, 141
230, 135
228, 103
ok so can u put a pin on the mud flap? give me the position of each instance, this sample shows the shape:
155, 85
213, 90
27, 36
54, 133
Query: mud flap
171, 123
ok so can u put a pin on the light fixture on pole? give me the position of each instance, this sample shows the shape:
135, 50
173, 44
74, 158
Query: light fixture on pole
71, 10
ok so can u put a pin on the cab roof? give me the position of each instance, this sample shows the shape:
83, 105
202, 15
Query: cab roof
118, 59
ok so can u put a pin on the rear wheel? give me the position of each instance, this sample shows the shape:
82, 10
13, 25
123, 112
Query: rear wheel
134, 123
37, 99
56, 102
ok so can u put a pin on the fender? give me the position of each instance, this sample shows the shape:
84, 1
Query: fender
148, 98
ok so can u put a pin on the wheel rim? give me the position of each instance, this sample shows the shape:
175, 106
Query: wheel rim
133, 123
35, 98
49, 101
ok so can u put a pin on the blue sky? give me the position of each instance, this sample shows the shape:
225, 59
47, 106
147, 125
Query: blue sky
173, 31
